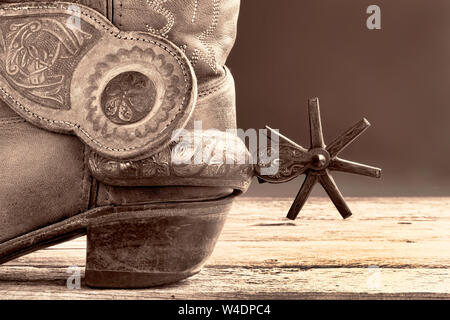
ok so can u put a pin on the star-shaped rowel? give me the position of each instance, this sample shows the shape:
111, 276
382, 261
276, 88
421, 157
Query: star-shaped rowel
317, 162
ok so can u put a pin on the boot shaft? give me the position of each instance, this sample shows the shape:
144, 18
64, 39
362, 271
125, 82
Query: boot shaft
204, 29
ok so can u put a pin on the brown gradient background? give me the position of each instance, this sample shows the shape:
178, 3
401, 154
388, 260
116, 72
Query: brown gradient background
397, 77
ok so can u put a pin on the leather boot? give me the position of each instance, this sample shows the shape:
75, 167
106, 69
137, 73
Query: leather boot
97, 101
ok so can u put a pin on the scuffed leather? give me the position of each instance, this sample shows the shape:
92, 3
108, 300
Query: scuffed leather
43, 178
216, 105
6, 111
108, 195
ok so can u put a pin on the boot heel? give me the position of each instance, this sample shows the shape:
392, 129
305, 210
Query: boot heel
153, 245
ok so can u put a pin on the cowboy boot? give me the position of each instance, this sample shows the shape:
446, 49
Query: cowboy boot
99, 105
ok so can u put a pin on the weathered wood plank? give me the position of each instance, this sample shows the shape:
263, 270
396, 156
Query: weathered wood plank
304, 254
237, 282
261, 254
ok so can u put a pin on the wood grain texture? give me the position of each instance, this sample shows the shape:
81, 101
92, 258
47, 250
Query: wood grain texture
262, 255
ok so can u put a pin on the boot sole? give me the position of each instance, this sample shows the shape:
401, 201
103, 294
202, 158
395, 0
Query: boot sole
135, 246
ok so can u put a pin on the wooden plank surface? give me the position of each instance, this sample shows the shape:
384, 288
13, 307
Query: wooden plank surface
390, 248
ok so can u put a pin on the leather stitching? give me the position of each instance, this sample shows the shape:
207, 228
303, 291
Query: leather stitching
120, 14
209, 57
194, 14
214, 88
116, 35
216, 85
156, 6
206, 53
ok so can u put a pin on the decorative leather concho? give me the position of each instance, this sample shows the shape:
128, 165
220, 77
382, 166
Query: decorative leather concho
67, 69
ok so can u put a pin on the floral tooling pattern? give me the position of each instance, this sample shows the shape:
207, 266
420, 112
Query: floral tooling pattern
38, 56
